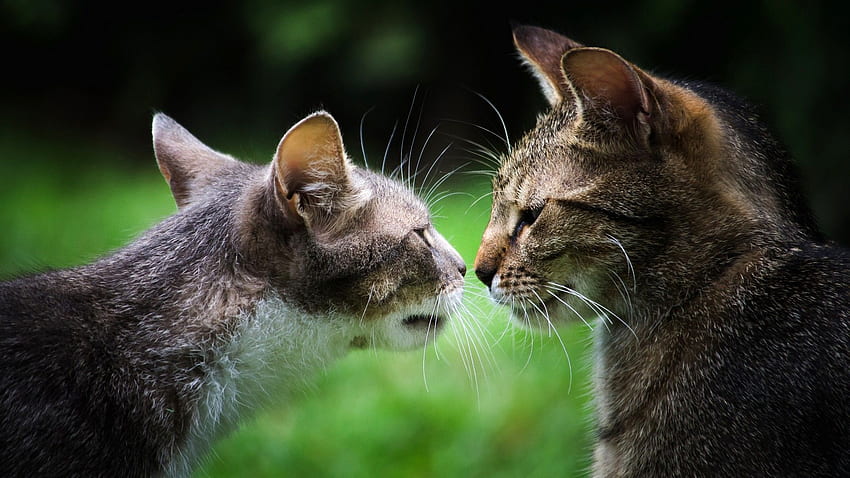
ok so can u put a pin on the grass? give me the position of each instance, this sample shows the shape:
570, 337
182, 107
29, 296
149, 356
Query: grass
522, 413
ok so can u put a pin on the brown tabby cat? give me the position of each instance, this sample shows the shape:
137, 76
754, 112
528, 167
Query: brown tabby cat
666, 209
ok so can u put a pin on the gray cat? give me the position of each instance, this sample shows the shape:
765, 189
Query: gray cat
665, 208
133, 365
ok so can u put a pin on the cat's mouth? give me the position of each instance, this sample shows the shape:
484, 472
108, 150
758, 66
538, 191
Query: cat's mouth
421, 321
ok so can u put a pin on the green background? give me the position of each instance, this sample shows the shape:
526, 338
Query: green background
78, 178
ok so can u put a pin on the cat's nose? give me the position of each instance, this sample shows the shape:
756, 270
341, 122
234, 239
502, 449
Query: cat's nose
485, 274
461, 268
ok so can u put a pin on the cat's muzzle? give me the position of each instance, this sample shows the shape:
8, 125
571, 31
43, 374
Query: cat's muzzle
421, 321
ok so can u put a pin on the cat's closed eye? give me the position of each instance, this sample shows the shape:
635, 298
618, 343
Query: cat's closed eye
424, 235
527, 217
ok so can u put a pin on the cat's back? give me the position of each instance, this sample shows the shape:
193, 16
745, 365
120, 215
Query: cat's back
57, 367
776, 364
765, 359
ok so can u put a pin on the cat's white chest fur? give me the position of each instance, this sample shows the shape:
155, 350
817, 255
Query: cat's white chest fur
274, 352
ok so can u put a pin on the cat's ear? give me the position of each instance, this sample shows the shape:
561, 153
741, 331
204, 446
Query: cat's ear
601, 80
186, 163
312, 177
542, 51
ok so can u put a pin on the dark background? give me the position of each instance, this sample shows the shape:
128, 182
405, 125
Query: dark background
239, 74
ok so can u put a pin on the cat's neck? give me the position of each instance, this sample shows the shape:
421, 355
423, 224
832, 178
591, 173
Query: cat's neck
183, 298
272, 355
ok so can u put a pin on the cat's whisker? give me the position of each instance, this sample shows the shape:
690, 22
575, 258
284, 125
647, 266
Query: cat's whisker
435, 161
552, 328
528, 324
631, 268
562, 301
604, 311
592, 305
492, 157
413, 141
489, 159
621, 287
479, 334
387, 150
507, 328
404, 135
437, 306
474, 346
433, 202
433, 188
427, 335
480, 293
487, 173
596, 306
362, 144
463, 342
483, 331
368, 301
499, 115
487, 194
478, 126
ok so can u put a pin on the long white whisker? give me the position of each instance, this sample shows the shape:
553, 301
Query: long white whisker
404, 134
362, 145
628, 261
558, 336
604, 311
442, 179
501, 119
571, 308
387, 150
434, 162
591, 304
368, 300
623, 290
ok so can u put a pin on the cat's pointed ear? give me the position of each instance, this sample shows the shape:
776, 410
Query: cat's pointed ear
311, 170
186, 163
542, 51
602, 80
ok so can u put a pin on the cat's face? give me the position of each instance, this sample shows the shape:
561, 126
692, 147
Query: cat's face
554, 249
334, 241
568, 200
383, 267
628, 189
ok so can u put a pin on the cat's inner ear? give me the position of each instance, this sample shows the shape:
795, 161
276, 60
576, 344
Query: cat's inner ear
186, 163
310, 166
542, 51
602, 79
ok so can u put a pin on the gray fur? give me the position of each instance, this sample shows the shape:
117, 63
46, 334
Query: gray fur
134, 364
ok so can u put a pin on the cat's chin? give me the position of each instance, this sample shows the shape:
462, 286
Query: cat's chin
410, 328
410, 332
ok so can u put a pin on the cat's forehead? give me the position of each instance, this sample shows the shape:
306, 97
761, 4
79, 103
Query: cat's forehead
549, 160
393, 203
